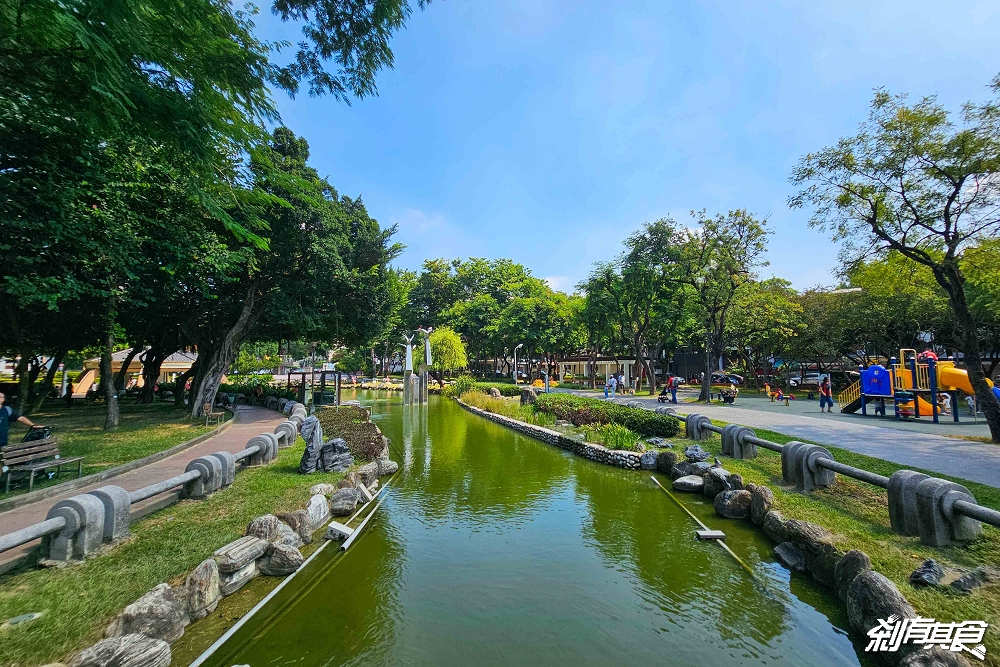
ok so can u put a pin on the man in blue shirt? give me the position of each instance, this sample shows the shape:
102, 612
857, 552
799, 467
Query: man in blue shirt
7, 415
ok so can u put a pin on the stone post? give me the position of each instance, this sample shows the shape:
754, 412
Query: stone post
210, 479
117, 506
903, 501
938, 523
84, 529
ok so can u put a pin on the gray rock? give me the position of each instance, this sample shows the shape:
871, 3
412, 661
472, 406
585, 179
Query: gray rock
386, 467
689, 483
972, 579
339, 445
368, 473
736, 481
928, 574
322, 489
700, 468
299, 522
695, 454
495, 393
935, 657
791, 557
774, 527
528, 397
129, 651
202, 587
349, 481
235, 555
335, 456
312, 433
871, 597
159, 614
648, 460
344, 502
681, 469
265, 527
848, 568
287, 536
816, 542
665, 461
280, 560
733, 504
655, 442
761, 500
231, 582
716, 481
318, 511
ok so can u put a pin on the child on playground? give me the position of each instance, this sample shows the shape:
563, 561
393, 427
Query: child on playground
825, 395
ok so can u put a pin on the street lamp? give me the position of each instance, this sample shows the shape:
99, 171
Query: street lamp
519, 346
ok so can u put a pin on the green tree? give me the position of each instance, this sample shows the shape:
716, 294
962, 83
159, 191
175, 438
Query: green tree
447, 350
914, 182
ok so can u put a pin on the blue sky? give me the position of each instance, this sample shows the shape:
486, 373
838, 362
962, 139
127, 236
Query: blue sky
547, 131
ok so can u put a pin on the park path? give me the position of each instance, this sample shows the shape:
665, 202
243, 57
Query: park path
965, 459
248, 422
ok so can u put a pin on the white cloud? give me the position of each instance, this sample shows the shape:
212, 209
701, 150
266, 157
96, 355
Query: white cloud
559, 283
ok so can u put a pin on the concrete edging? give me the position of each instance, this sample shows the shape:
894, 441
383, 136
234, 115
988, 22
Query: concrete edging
73, 484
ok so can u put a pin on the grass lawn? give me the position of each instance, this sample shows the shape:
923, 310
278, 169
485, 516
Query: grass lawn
80, 600
142, 430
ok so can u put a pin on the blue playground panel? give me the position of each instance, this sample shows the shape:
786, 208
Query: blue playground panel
876, 381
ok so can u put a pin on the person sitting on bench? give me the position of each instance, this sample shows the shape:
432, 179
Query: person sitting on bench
7, 415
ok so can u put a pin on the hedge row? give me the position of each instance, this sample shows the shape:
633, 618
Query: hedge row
505, 389
581, 410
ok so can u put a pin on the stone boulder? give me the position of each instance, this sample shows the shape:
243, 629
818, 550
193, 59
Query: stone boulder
127, 651
774, 527
716, 481
235, 555
791, 557
528, 396
495, 393
689, 484
299, 522
700, 468
386, 467
761, 500
280, 560
202, 589
681, 469
736, 481
312, 433
335, 456
733, 504
816, 542
322, 489
349, 481
318, 510
656, 442
344, 502
695, 454
848, 568
159, 614
935, 657
230, 582
368, 473
871, 597
288, 536
928, 574
265, 527
648, 460
973, 579
665, 461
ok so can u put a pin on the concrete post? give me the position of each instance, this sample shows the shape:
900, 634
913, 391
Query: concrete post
938, 523
903, 501
84, 530
228, 464
693, 426
117, 505
208, 481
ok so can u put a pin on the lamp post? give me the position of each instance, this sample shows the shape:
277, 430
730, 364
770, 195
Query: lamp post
519, 346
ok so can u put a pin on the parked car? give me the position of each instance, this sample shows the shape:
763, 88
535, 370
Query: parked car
719, 377
810, 380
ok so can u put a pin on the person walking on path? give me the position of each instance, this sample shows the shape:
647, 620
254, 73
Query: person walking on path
825, 395
613, 384
8, 415
674, 382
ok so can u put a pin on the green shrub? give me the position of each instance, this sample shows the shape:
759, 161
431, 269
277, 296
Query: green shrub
615, 436
247, 388
582, 410
508, 408
461, 385
505, 389
352, 423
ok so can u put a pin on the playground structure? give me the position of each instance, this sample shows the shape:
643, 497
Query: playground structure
913, 386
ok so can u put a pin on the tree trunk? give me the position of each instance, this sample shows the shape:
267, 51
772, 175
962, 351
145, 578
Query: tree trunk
47, 382
107, 376
212, 367
123, 371
180, 381
21, 371
152, 360
706, 382
592, 373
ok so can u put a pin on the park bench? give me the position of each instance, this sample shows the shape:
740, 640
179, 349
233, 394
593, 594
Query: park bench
27, 458
210, 415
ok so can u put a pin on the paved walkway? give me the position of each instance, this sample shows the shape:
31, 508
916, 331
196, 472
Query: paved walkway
976, 461
249, 422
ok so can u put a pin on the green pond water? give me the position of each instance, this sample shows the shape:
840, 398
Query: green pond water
494, 548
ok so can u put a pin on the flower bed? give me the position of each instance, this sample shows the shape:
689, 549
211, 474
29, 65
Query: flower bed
581, 410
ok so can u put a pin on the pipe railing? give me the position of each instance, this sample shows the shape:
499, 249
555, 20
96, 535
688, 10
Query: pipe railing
204, 475
824, 460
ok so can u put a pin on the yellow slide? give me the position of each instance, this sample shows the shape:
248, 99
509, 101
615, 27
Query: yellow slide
926, 409
950, 378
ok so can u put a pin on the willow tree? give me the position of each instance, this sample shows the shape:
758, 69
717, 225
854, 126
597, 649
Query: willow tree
915, 181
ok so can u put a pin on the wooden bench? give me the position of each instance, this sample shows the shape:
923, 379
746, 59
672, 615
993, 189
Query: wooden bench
27, 458
210, 415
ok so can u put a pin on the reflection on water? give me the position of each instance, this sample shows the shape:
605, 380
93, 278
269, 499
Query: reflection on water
493, 548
